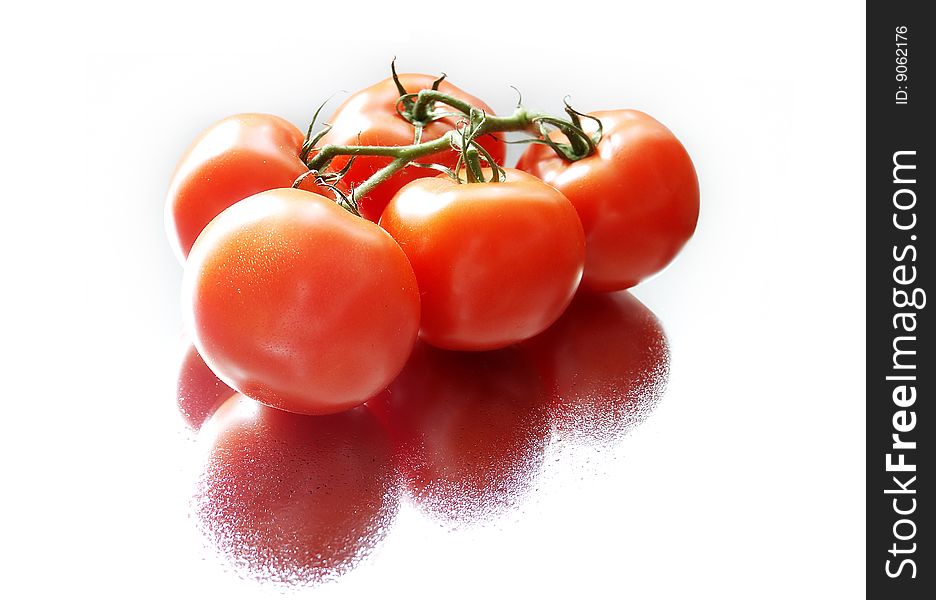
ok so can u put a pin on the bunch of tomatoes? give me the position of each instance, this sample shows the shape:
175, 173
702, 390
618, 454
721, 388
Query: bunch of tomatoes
314, 260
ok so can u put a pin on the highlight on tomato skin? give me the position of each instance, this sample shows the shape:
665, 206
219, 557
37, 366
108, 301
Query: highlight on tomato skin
369, 117
198, 390
294, 499
469, 429
637, 197
297, 303
606, 366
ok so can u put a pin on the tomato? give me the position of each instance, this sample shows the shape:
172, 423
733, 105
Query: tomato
606, 362
370, 118
469, 428
237, 157
637, 197
294, 498
299, 304
199, 391
496, 262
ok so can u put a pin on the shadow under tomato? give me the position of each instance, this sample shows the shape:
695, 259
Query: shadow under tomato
606, 365
469, 429
294, 499
198, 390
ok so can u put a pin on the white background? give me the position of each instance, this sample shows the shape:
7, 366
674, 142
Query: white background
748, 481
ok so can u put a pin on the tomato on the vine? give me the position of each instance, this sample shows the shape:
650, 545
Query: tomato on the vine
236, 157
299, 304
496, 263
369, 118
637, 197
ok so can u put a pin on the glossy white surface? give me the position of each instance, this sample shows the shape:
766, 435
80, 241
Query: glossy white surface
746, 481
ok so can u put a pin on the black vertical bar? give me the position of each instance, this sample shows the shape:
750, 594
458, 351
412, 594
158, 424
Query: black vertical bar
900, 366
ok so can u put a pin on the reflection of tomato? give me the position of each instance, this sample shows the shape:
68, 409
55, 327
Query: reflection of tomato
607, 363
638, 197
470, 429
496, 262
370, 118
299, 304
294, 498
199, 390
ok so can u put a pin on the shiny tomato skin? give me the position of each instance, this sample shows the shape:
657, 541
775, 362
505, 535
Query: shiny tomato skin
299, 304
369, 117
637, 197
236, 157
496, 263
295, 499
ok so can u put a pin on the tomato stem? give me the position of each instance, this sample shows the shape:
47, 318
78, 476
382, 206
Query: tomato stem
420, 109
473, 166
328, 180
425, 103
380, 176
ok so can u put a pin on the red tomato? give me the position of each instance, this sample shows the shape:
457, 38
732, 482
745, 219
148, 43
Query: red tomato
237, 157
606, 362
496, 262
638, 197
234, 158
470, 429
293, 498
299, 304
370, 118
199, 391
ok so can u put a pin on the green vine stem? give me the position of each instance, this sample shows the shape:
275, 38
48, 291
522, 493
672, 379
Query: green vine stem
426, 99
477, 123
